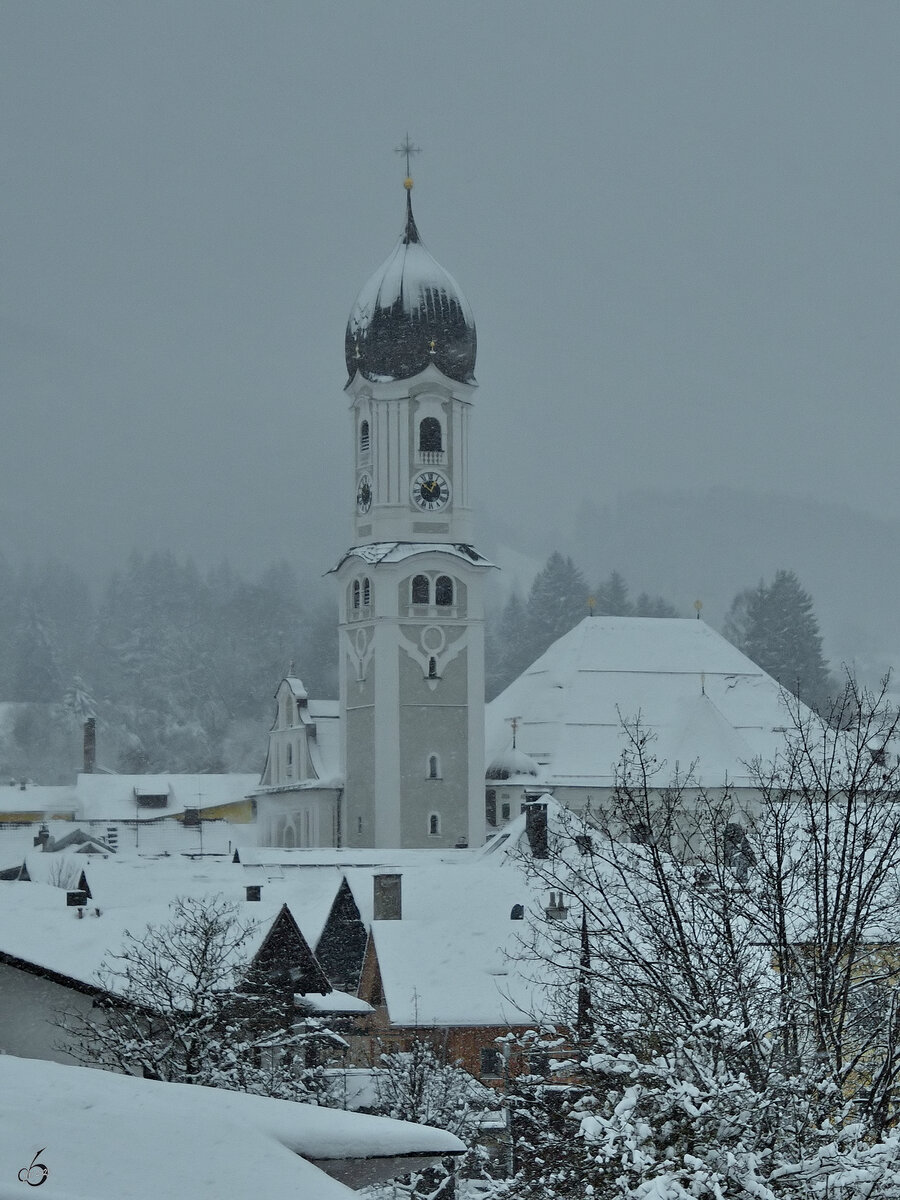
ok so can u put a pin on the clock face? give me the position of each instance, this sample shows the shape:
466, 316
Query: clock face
364, 494
430, 491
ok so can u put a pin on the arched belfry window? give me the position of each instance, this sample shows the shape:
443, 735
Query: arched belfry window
356, 593
432, 668
367, 592
443, 590
430, 438
434, 767
434, 825
420, 589
363, 437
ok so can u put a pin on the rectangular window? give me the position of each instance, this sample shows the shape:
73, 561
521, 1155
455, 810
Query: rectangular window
491, 1063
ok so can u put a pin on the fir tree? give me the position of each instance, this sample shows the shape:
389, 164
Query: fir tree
612, 597
776, 626
557, 601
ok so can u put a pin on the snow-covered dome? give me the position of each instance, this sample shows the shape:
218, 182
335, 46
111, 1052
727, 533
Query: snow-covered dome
410, 313
510, 764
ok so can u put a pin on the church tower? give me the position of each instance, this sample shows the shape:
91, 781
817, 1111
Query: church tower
410, 586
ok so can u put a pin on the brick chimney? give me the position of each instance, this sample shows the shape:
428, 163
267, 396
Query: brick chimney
90, 745
388, 898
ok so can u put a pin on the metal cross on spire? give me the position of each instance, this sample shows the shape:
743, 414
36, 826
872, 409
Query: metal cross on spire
408, 148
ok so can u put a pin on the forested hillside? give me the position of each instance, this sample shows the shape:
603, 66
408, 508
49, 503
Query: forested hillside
180, 667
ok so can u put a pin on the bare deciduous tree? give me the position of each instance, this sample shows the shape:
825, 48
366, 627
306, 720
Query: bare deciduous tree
182, 1002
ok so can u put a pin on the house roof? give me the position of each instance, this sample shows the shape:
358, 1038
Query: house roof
437, 973
452, 957
37, 798
100, 1136
38, 929
112, 797
703, 700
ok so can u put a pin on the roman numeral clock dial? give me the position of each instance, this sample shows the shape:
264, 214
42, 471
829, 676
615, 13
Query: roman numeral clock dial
430, 491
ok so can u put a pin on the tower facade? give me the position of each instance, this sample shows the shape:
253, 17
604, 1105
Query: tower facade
410, 587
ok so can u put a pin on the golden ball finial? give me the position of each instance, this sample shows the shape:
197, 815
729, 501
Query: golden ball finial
407, 183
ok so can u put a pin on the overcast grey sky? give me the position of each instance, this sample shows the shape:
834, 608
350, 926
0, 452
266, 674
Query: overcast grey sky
676, 224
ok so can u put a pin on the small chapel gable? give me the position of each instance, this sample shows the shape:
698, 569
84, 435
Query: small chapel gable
288, 758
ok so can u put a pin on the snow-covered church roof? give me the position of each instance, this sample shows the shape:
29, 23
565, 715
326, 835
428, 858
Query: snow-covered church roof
410, 313
705, 702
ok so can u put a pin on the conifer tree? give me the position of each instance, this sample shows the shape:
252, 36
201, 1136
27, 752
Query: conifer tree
776, 626
612, 597
557, 601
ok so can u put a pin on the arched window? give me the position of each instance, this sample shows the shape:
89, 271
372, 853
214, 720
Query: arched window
490, 807
367, 592
420, 589
434, 767
432, 668
364, 437
356, 593
290, 754
443, 590
430, 434
434, 825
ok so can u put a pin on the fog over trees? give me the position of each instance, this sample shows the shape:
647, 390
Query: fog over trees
180, 666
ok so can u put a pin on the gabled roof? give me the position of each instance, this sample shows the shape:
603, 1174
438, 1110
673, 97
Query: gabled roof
702, 699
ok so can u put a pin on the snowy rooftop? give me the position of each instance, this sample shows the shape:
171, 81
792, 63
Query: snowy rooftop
398, 551
113, 797
702, 698
42, 798
451, 958
133, 890
445, 972
113, 1137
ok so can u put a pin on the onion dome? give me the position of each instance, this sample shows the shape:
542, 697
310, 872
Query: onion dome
512, 764
410, 313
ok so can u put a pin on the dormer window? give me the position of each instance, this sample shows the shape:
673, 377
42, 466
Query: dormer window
430, 437
443, 590
420, 589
